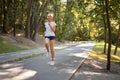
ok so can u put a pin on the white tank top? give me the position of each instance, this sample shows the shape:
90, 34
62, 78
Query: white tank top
48, 31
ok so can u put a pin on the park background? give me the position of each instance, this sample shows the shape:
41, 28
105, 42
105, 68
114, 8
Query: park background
22, 24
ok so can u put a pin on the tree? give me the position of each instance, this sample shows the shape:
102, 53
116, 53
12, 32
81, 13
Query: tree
105, 34
109, 31
27, 29
118, 38
105, 27
14, 27
5, 16
43, 10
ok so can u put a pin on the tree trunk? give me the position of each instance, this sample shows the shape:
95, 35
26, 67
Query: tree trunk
32, 24
1, 12
5, 17
34, 18
27, 29
105, 34
109, 31
117, 43
105, 27
14, 27
40, 20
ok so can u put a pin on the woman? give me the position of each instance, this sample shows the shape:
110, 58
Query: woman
50, 26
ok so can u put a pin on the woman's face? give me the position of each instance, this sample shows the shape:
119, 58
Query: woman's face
50, 18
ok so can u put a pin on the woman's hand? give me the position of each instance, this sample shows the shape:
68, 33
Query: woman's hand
52, 27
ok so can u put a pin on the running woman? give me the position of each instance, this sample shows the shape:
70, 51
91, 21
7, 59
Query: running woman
50, 27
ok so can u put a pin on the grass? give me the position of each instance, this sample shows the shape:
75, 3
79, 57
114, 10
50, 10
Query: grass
23, 58
6, 47
98, 49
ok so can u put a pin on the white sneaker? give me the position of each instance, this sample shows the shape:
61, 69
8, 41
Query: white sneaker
51, 63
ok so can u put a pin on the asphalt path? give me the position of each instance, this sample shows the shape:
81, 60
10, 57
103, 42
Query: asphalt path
67, 61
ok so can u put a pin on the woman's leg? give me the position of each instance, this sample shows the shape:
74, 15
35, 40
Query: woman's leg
47, 41
52, 42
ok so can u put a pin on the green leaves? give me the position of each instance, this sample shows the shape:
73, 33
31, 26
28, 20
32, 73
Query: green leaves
74, 18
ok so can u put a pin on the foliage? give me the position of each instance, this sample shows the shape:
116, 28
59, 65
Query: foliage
76, 19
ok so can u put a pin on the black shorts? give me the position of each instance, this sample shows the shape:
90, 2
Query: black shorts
50, 37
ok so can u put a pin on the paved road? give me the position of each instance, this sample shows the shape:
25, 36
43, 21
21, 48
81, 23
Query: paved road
14, 55
67, 61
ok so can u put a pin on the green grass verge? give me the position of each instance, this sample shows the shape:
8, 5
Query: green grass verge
6, 47
23, 58
99, 47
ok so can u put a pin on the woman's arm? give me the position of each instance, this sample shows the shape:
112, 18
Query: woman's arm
52, 27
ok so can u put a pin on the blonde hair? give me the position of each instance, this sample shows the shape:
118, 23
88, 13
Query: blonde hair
50, 14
